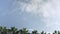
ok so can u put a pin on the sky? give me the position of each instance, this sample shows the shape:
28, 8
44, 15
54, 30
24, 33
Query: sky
31, 14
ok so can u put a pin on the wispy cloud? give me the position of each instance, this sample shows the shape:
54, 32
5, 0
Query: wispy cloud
48, 9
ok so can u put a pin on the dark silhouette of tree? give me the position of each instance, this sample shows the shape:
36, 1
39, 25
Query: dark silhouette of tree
23, 31
14, 30
20, 31
42, 32
45, 33
4, 30
58, 32
1, 29
29, 33
34, 32
55, 32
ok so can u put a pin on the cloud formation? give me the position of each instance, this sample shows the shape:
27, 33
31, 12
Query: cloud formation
39, 7
48, 9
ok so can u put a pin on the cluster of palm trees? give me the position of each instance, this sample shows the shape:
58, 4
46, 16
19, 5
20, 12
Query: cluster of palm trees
13, 30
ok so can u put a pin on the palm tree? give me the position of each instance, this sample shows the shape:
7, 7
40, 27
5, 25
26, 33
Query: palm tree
1, 29
17, 32
45, 33
55, 32
4, 30
9, 31
28, 33
23, 31
42, 32
20, 31
14, 30
58, 32
34, 32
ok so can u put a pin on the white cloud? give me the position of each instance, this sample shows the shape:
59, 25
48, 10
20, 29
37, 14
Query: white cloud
49, 10
35, 7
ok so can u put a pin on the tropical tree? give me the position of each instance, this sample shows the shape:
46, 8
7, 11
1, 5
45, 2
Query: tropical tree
58, 32
14, 30
20, 31
23, 31
4, 30
34, 32
1, 29
29, 33
17, 32
42, 32
9, 31
45, 33
55, 32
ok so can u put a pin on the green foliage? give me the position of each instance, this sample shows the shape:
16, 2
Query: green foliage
42, 32
13, 29
4, 30
1, 28
55, 32
24, 31
58, 32
34, 32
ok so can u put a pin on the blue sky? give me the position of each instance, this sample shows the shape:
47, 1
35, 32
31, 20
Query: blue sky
32, 14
